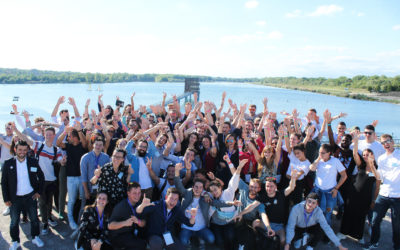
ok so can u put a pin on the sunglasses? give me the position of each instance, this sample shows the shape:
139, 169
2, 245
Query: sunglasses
230, 140
368, 133
387, 141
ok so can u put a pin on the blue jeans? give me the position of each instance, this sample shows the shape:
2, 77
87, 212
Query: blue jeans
382, 204
204, 234
74, 187
30, 205
327, 202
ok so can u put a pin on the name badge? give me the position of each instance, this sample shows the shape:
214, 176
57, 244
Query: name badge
120, 175
33, 169
168, 238
305, 239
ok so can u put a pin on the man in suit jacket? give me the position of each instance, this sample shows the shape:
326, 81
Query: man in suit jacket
22, 183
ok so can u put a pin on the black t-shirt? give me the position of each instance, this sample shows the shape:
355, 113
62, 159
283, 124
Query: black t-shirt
74, 155
122, 211
274, 207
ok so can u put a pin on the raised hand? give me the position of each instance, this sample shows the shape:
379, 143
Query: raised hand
71, 101
61, 100
87, 102
97, 172
178, 167
130, 170
226, 158
149, 162
242, 163
15, 109
146, 202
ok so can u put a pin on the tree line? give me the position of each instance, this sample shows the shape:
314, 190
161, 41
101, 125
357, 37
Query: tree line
371, 83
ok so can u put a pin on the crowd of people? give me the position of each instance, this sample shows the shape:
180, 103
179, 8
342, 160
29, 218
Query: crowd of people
161, 177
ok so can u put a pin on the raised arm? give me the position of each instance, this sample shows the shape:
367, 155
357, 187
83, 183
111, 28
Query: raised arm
21, 136
60, 100
313, 166
279, 146
71, 101
323, 127
356, 156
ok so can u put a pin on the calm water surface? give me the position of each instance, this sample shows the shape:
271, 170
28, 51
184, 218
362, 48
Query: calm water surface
40, 99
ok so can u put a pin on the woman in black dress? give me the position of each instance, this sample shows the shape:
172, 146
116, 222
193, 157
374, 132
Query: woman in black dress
362, 194
93, 230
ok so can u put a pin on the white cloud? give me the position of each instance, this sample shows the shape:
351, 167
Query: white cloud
360, 14
251, 4
275, 35
396, 27
326, 10
261, 23
293, 14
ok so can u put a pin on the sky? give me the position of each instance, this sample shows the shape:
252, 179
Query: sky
228, 38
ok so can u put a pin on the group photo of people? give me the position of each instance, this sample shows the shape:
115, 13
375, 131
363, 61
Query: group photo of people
203, 175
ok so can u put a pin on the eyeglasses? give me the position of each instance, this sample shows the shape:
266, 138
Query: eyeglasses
368, 133
387, 141
117, 157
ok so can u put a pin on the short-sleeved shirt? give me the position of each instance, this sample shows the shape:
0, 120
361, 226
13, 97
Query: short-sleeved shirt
160, 185
74, 155
112, 183
274, 207
121, 212
389, 170
299, 166
327, 172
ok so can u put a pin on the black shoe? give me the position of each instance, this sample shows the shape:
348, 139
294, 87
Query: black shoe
25, 219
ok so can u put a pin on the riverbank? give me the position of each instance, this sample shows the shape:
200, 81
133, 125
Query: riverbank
359, 94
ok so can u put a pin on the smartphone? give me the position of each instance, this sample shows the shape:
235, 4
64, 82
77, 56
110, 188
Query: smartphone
119, 103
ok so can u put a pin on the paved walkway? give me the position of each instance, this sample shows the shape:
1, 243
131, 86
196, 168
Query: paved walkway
59, 237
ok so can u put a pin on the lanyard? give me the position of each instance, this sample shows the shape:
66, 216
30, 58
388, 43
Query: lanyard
307, 219
100, 218
230, 153
97, 158
166, 216
130, 204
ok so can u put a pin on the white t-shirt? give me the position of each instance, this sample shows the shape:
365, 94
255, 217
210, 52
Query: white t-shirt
327, 172
144, 175
200, 223
23, 183
389, 171
46, 159
299, 166
375, 146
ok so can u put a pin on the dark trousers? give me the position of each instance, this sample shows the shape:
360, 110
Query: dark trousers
30, 206
45, 200
382, 204
224, 235
314, 232
127, 241
157, 243
245, 234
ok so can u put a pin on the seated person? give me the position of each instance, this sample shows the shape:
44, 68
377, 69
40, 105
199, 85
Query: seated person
125, 227
161, 216
93, 230
305, 222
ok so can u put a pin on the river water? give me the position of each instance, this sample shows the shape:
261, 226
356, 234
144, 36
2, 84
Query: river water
40, 99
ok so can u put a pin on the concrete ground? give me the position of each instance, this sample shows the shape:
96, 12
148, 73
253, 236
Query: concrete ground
59, 237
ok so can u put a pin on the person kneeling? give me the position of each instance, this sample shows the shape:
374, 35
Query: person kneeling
305, 222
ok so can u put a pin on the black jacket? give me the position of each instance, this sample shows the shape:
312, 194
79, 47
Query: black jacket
9, 178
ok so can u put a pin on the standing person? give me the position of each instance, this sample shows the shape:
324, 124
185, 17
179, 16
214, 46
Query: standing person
161, 216
360, 199
93, 230
49, 157
89, 163
389, 194
75, 148
370, 142
327, 168
305, 223
22, 182
125, 227
113, 177
5, 152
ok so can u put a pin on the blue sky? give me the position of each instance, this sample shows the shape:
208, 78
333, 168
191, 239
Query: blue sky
233, 38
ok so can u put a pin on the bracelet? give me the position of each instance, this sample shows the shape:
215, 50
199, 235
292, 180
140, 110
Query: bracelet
231, 165
286, 136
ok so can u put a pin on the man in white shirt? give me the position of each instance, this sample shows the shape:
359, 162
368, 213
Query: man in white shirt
389, 194
370, 142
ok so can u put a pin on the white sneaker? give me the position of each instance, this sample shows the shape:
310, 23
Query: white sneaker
38, 242
241, 247
309, 248
6, 211
341, 236
15, 245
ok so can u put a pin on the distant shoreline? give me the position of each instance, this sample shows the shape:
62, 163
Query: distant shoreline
358, 94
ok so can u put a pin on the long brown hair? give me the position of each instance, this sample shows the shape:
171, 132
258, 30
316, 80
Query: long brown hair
106, 211
264, 162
